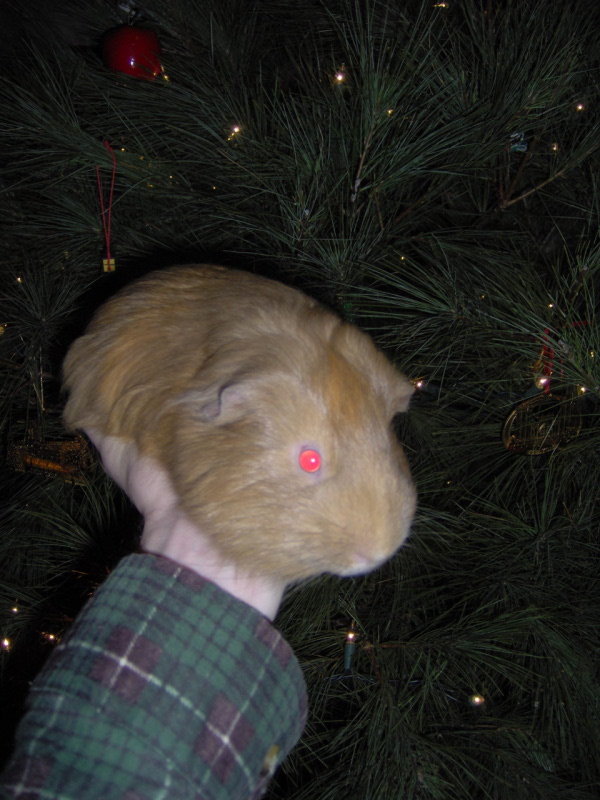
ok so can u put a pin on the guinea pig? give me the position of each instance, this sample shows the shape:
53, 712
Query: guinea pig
270, 414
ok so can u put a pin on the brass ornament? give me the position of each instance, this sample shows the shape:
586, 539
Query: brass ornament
542, 424
68, 458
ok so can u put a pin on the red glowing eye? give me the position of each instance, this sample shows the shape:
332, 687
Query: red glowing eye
310, 460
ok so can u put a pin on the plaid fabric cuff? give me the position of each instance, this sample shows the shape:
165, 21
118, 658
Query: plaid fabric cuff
166, 686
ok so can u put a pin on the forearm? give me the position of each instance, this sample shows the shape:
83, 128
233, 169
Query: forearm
165, 686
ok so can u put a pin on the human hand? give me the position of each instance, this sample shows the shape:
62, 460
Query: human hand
169, 532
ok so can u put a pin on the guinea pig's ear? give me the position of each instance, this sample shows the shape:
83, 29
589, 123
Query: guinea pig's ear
219, 403
228, 385
402, 392
358, 349
393, 386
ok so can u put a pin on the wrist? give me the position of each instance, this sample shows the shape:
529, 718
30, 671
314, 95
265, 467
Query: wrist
170, 533
179, 541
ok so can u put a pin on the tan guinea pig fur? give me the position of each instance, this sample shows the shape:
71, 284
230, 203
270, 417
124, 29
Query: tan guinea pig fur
225, 378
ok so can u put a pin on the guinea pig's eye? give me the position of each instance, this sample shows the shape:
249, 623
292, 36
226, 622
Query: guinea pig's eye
310, 460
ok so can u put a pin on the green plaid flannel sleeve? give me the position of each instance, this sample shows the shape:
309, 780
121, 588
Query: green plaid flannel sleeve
165, 687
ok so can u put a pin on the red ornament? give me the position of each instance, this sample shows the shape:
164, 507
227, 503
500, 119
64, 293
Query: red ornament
310, 460
135, 51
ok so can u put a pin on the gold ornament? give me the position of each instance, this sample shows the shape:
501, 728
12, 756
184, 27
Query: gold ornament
69, 458
541, 424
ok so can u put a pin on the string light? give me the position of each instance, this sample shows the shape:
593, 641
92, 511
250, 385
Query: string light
390, 111
350, 646
6, 644
580, 107
541, 382
15, 610
419, 384
235, 129
581, 389
19, 279
476, 700
441, 5
555, 146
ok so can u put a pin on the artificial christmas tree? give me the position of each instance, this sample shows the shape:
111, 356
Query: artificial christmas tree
428, 170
